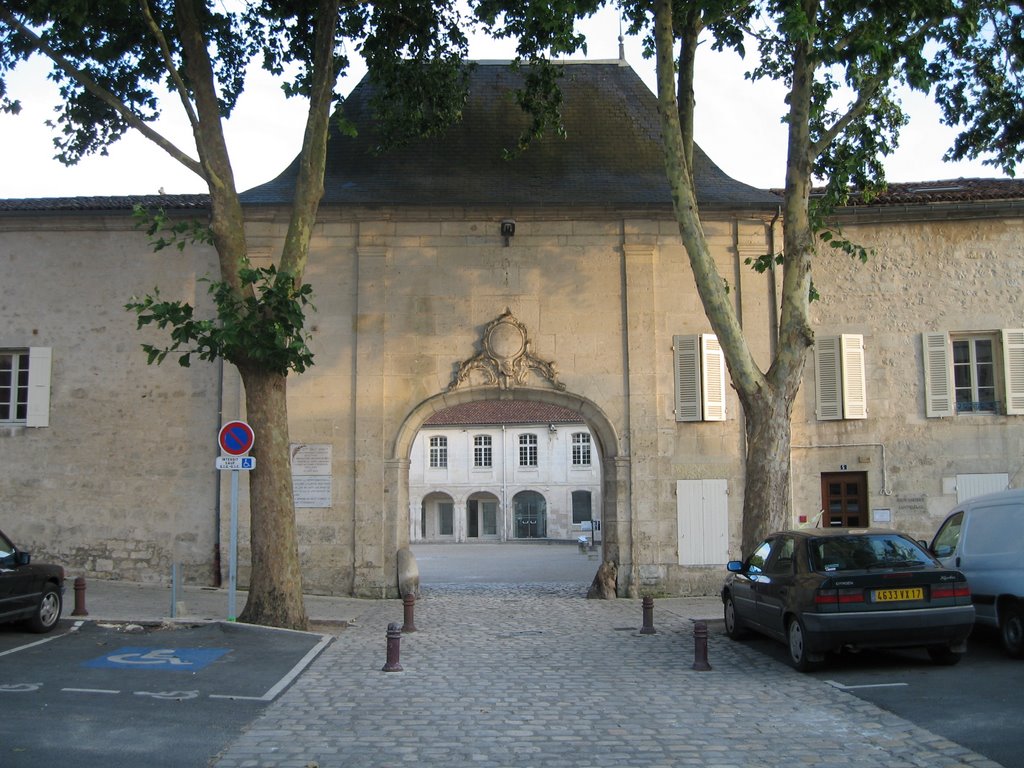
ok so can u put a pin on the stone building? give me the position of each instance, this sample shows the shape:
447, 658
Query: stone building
447, 276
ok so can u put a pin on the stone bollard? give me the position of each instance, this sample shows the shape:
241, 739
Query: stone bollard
700, 646
409, 604
394, 648
648, 606
80, 597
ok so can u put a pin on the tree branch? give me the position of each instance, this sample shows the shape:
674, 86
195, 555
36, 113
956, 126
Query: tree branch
102, 94
165, 50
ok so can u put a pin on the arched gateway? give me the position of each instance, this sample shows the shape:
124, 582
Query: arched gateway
506, 369
615, 516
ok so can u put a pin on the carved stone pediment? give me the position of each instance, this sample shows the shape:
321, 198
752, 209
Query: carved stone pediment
505, 359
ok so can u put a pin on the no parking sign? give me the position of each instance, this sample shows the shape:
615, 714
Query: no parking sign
236, 438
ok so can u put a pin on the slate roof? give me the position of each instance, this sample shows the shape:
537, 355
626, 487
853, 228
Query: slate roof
492, 412
611, 156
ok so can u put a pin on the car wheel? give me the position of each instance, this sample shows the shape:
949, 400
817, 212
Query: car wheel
943, 655
796, 639
733, 626
1011, 630
48, 611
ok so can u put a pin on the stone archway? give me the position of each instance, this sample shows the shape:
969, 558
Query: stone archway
615, 475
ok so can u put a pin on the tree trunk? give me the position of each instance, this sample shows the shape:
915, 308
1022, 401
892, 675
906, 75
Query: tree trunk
767, 491
275, 588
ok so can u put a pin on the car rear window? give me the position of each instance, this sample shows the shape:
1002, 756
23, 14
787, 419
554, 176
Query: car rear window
863, 552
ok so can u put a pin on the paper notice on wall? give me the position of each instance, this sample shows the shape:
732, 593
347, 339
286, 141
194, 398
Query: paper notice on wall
311, 474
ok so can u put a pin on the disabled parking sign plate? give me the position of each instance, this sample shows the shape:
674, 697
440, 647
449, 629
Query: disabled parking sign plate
161, 659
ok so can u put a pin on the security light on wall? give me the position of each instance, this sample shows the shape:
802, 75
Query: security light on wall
508, 229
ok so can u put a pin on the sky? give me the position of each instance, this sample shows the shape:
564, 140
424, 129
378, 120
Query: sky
737, 123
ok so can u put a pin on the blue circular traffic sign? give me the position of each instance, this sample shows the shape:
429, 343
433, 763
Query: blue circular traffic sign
236, 438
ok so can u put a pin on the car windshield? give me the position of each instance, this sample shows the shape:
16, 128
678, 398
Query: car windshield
865, 552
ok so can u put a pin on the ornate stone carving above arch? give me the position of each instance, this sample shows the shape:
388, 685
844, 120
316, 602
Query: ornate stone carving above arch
505, 359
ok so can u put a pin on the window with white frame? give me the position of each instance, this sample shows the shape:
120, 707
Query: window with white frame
438, 452
482, 456
528, 450
974, 372
839, 379
25, 387
700, 378
581, 449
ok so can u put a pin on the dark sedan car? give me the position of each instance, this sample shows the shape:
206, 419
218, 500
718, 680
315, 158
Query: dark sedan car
29, 592
823, 589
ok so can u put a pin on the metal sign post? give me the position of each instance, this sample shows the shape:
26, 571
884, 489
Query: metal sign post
236, 438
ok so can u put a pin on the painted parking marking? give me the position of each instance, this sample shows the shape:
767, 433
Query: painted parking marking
162, 659
170, 695
88, 690
842, 687
20, 687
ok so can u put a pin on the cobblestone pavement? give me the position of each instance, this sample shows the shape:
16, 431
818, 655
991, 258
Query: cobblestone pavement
536, 675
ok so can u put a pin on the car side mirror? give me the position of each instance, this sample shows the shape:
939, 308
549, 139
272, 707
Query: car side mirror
22, 558
734, 566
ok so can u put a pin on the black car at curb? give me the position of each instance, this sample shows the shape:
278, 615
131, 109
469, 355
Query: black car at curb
820, 590
29, 592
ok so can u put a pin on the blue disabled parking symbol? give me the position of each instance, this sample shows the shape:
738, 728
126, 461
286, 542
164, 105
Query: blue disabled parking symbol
163, 659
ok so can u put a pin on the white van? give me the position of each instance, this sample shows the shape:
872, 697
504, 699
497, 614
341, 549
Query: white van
984, 538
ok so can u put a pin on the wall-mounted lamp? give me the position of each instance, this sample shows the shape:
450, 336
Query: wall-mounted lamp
508, 229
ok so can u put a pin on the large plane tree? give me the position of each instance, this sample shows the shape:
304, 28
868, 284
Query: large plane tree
841, 63
119, 63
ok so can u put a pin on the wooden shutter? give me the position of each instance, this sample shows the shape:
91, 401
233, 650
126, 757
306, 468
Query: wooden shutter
855, 399
938, 378
39, 361
713, 377
687, 377
827, 370
1013, 367
702, 511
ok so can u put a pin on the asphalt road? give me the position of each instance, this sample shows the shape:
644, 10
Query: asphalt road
976, 703
167, 697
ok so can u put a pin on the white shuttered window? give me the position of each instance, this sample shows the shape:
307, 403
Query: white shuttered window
700, 378
959, 374
839, 377
702, 511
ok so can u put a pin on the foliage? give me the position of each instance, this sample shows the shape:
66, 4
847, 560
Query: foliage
979, 82
163, 232
264, 329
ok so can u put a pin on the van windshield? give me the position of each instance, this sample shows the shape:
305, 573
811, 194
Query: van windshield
861, 552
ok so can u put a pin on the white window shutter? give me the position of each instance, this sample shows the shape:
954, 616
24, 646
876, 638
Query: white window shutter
39, 360
827, 362
687, 377
938, 378
855, 398
1013, 366
713, 376
702, 513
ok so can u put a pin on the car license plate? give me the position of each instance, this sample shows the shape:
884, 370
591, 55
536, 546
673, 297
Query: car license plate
894, 595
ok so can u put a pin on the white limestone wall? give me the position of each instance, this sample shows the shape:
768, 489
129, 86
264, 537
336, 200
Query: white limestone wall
954, 275
122, 481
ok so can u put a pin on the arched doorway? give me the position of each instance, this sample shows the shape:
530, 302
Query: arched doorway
531, 515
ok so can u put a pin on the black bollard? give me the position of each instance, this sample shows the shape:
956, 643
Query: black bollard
80, 597
394, 648
409, 604
648, 627
700, 646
